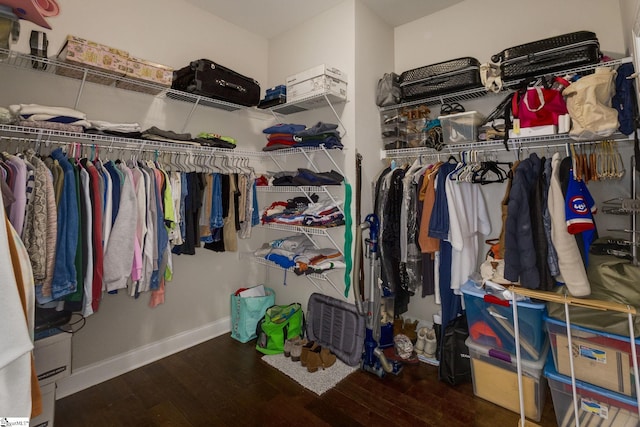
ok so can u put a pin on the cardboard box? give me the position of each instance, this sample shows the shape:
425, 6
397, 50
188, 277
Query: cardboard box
94, 56
599, 358
495, 378
596, 406
53, 358
46, 418
146, 72
316, 81
490, 321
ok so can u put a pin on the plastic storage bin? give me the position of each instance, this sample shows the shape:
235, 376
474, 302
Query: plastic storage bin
490, 322
461, 128
599, 358
596, 406
495, 378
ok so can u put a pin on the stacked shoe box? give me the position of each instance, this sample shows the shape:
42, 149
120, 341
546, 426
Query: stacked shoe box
603, 368
492, 348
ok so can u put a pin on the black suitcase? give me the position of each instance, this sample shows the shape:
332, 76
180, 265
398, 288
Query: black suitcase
549, 55
437, 79
206, 78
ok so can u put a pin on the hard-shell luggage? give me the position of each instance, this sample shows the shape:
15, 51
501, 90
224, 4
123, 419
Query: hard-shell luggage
549, 55
336, 324
437, 79
207, 78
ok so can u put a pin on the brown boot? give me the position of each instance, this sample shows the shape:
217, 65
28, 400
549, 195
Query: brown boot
314, 361
327, 357
304, 352
410, 330
398, 325
296, 350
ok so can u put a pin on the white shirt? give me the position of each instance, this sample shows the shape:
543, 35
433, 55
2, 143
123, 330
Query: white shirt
468, 219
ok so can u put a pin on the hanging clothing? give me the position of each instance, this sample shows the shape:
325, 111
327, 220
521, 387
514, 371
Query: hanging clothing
572, 270
15, 359
468, 220
119, 254
520, 254
65, 277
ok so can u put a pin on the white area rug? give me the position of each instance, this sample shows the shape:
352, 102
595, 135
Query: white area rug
319, 381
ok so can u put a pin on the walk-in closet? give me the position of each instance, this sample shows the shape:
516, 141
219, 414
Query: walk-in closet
138, 208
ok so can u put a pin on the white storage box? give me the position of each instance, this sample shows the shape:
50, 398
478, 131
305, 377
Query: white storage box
53, 358
316, 81
495, 378
461, 128
45, 419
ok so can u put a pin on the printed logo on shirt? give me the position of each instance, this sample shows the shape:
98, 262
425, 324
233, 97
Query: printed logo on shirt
578, 205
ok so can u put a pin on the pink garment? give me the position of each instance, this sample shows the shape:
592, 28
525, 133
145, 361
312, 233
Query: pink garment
157, 296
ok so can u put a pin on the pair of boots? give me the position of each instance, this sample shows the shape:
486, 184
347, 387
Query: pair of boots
310, 355
314, 357
427, 343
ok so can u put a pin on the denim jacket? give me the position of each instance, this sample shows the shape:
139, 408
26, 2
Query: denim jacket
64, 274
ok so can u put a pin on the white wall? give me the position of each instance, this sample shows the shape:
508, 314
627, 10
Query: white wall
326, 39
481, 29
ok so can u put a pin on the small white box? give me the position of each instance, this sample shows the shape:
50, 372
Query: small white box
317, 80
53, 358
534, 131
45, 419
316, 86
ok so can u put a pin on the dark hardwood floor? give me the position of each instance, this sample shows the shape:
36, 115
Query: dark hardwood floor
223, 382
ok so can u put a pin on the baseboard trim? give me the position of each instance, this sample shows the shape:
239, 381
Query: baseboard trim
107, 369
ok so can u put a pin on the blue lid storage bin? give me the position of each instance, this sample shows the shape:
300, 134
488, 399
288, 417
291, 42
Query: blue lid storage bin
596, 406
490, 322
599, 358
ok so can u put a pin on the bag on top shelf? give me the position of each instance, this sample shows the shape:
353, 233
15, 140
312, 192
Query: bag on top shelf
437, 79
207, 78
549, 55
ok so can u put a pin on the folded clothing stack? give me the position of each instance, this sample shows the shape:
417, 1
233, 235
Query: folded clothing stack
123, 130
288, 135
298, 253
215, 140
156, 134
47, 117
302, 177
311, 214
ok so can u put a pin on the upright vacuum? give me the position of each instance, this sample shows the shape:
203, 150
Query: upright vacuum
373, 358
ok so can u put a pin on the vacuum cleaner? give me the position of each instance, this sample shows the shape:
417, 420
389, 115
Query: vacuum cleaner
373, 358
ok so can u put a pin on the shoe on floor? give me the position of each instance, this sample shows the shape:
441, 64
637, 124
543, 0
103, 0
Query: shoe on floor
327, 357
288, 345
